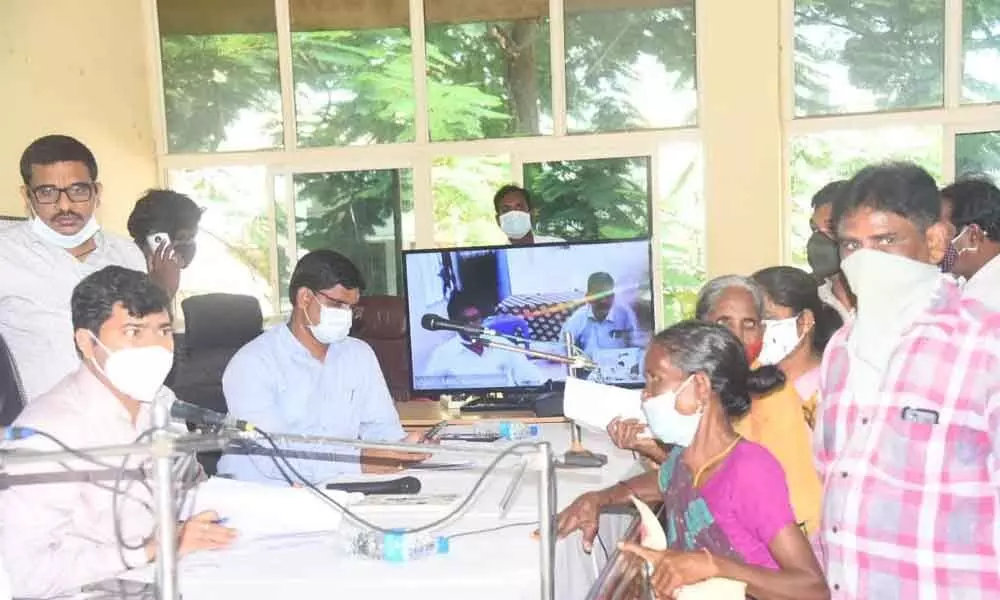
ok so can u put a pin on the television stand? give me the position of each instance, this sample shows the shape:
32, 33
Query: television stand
542, 403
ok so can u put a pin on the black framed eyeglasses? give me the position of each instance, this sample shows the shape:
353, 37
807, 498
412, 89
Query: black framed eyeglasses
356, 311
77, 192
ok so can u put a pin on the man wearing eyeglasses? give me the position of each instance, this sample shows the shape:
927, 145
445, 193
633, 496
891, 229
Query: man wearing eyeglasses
42, 260
308, 376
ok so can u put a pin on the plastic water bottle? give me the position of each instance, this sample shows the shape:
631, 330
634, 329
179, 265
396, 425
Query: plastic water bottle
397, 547
515, 430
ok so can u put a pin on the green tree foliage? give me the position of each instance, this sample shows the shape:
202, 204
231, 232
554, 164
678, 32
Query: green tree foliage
591, 199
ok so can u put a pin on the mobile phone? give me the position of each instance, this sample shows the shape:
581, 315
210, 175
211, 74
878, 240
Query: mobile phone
157, 239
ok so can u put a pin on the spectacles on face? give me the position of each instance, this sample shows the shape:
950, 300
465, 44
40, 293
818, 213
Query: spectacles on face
356, 311
50, 194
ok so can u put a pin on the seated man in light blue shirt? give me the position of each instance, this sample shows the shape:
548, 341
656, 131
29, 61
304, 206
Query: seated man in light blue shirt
308, 377
601, 324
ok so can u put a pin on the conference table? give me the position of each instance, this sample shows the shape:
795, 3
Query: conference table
502, 562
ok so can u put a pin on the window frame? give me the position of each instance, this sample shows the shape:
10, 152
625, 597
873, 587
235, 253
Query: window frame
953, 118
418, 156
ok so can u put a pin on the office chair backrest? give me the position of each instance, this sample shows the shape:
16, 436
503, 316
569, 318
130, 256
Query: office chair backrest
383, 324
11, 391
216, 326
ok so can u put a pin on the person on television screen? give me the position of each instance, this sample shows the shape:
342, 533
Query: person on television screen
513, 207
469, 361
601, 323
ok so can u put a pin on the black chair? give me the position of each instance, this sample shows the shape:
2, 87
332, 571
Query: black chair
216, 326
11, 392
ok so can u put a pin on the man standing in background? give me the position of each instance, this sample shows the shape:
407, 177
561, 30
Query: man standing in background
514, 216
975, 216
42, 260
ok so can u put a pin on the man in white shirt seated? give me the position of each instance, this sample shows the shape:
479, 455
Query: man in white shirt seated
58, 522
307, 376
465, 360
976, 217
42, 259
601, 323
514, 215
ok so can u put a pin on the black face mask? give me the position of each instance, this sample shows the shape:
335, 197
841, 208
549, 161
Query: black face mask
823, 255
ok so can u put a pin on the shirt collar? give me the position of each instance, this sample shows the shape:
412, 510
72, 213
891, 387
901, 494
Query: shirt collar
101, 399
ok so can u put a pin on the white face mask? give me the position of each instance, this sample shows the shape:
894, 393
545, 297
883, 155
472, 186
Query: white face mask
67, 242
516, 224
882, 281
138, 373
334, 324
781, 337
668, 425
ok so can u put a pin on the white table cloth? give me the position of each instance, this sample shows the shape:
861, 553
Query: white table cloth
501, 565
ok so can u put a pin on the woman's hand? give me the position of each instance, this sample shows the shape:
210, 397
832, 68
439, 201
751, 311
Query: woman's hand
673, 570
583, 515
631, 434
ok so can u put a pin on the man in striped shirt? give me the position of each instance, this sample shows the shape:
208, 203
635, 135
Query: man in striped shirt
906, 436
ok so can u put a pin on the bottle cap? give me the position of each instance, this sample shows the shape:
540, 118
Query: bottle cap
443, 545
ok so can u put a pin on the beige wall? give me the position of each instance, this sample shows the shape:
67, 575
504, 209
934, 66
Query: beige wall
78, 67
742, 135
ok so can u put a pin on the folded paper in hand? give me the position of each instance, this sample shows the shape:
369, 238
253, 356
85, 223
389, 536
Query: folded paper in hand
716, 588
593, 405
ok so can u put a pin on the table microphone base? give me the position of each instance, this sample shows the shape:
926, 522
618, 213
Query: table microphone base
582, 459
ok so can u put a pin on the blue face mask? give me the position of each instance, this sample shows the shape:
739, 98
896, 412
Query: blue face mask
66, 242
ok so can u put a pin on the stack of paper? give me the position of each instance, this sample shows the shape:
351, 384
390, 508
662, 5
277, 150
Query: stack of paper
256, 509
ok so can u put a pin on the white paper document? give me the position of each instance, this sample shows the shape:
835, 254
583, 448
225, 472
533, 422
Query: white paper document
255, 509
594, 405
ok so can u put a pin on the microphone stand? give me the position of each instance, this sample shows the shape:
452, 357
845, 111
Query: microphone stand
578, 455
162, 448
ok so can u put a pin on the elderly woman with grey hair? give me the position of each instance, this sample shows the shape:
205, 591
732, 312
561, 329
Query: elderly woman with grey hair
733, 301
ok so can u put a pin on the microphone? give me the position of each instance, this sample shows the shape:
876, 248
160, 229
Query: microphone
185, 411
432, 322
403, 485
10, 434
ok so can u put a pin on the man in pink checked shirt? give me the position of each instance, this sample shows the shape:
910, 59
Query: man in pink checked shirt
906, 435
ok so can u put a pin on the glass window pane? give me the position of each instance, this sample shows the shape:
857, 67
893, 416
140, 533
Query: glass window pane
632, 68
220, 76
978, 153
463, 188
868, 56
353, 73
599, 199
818, 159
680, 218
488, 69
981, 64
356, 213
234, 236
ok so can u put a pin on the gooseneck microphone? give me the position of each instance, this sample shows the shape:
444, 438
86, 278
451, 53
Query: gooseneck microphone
432, 322
185, 411
403, 485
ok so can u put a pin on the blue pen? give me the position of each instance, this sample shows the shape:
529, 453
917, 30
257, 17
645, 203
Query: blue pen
221, 521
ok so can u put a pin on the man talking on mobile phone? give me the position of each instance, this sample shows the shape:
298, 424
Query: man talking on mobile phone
42, 259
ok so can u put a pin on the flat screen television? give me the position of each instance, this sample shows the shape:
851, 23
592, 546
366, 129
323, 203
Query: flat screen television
528, 296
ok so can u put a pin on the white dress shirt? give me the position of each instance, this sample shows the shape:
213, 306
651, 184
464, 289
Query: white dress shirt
276, 384
985, 284
453, 365
4, 583
58, 537
618, 329
36, 284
